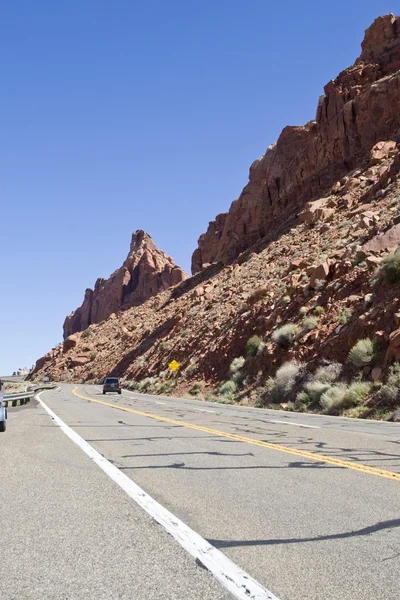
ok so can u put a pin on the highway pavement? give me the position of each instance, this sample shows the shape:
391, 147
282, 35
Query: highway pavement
306, 505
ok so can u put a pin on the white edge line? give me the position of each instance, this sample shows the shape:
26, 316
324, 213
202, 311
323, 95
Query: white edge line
296, 424
237, 581
159, 402
203, 410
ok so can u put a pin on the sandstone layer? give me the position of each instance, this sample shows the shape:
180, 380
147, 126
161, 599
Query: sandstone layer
358, 109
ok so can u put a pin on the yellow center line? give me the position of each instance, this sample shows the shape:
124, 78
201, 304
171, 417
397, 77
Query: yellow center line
337, 462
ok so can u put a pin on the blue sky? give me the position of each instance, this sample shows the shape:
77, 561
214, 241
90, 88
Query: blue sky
139, 114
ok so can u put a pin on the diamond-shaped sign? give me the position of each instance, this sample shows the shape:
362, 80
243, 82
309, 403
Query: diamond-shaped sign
174, 365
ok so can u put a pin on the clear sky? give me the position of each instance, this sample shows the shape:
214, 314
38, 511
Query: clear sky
120, 115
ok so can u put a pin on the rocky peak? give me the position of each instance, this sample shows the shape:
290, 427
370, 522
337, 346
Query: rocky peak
380, 38
145, 272
359, 108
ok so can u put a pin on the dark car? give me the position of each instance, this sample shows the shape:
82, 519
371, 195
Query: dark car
111, 384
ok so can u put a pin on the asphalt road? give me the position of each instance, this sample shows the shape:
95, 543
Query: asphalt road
307, 505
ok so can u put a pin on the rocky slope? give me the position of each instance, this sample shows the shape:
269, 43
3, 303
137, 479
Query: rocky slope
359, 108
145, 272
319, 287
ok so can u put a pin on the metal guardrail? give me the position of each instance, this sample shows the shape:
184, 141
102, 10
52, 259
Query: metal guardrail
23, 397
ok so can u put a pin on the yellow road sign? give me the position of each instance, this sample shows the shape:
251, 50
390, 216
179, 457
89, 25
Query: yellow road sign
174, 365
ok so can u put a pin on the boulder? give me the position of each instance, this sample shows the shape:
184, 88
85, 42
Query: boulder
319, 273
382, 150
79, 361
389, 240
70, 342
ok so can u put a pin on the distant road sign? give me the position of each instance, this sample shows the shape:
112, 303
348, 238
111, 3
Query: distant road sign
174, 365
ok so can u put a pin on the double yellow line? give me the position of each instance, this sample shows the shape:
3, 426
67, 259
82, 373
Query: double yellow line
337, 462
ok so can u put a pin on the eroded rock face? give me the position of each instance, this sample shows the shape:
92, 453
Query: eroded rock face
358, 109
145, 272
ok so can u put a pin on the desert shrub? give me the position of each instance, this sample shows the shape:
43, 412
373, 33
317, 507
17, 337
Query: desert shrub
344, 316
93, 355
362, 353
315, 389
253, 345
310, 323
332, 399
319, 284
390, 268
164, 346
146, 384
284, 336
166, 387
302, 398
357, 412
227, 387
191, 368
236, 364
130, 384
356, 393
86, 333
257, 295
328, 373
286, 299
184, 333
390, 390
196, 388
287, 378
303, 310
225, 399
319, 310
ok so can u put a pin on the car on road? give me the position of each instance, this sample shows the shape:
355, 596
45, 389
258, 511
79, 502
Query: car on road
111, 384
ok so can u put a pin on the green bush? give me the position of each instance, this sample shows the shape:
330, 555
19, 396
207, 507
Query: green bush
356, 393
196, 388
332, 399
253, 345
146, 384
236, 364
357, 412
130, 385
191, 368
184, 333
87, 333
302, 398
315, 389
287, 378
93, 355
310, 323
319, 310
303, 310
362, 353
227, 387
166, 387
328, 373
284, 336
390, 268
345, 316
390, 391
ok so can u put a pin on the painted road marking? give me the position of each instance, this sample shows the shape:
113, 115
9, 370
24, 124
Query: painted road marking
237, 581
337, 462
203, 410
296, 424
159, 402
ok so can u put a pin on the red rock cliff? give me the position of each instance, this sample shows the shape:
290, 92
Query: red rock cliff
145, 272
359, 108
